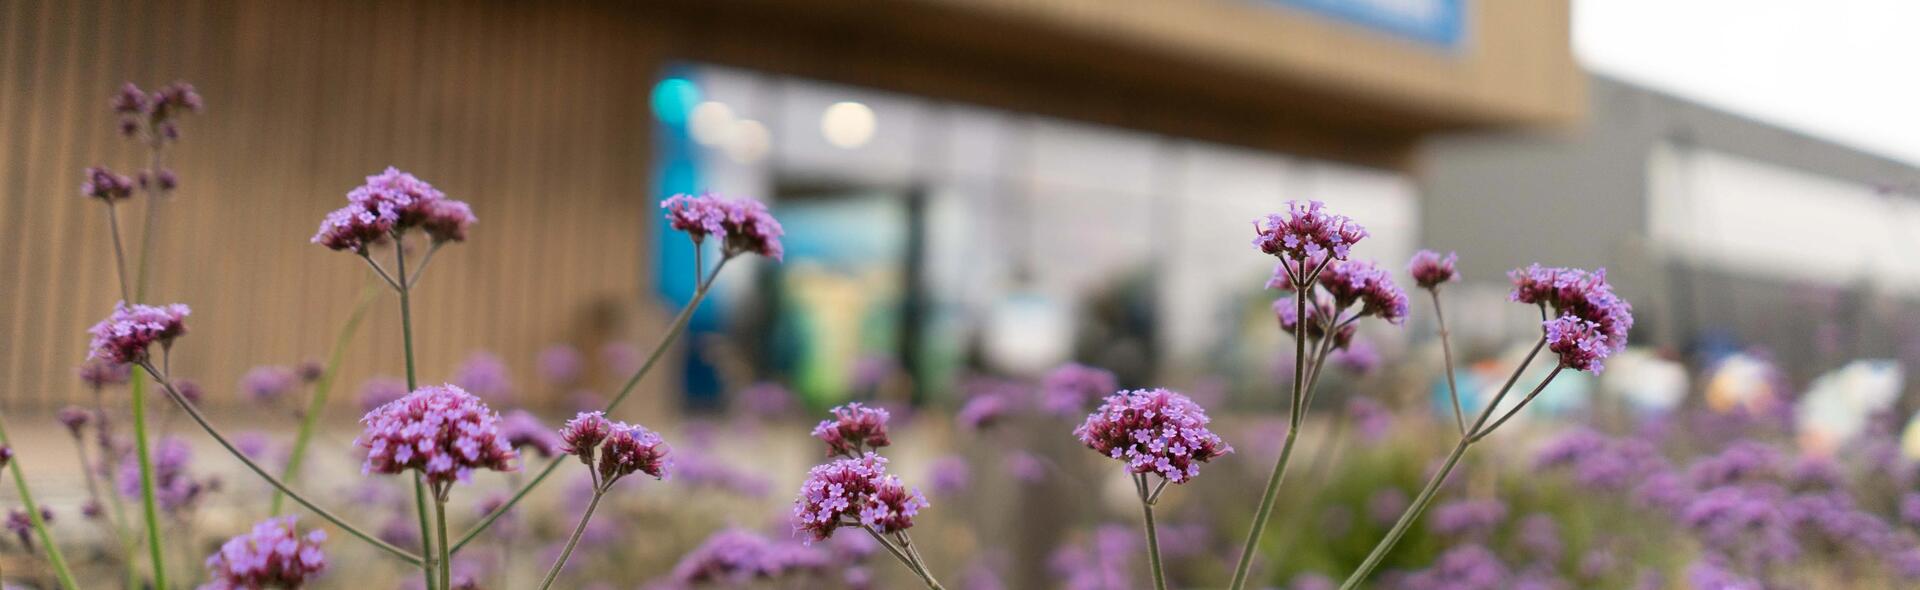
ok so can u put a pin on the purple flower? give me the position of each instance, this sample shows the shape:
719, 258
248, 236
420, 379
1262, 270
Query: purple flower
125, 335
765, 399
1465, 567
1373, 420
103, 184
1103, 562
731, 557
699, 470
1365, 283
1319, 310
1582, 294
1741, 461
1026, 467
1358, 358
1305, 231
1580, 344
561, 365
744, 225
74, 418
273, 555
1910, 509
98, 374
1153, 431
484, 375
1069, 389
129, 100
1385, 506
266, 384
21, 524
1539, 536
389, 204
174, 487
950, 475
1707, 574
584, 433
1311, 581
524, 431
620, 357
615, 449
855, 428
442, 431
855, 492
1472, 518
1430, 269
982, 412
380, 391
310, 371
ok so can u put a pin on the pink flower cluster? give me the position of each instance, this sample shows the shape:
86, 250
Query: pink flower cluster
1578, 293
855, 492
126, 334
1580, 343
267, 383
273, 555
855, 428
615, 449
1307, 231
1319, 309
1153, 431
154, 111
391, 203
1430, 269
442, 431
103, 184
1367, 284
743, 225
1071, 387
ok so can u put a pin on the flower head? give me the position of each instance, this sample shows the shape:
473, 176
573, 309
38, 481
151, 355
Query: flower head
1153, 431
982, 412
731, 557
21, 524
103, 184
1580, 344
1430, 269
99, 374
1319, 309
1365, 283
855, 427
266, 384
442, 431
175, 487
584, 433
855, 491
1586, 295
743, 225
485, 375
273, 555
379, 391
389, 204
1306, 231
614, 449
125, 335
561, 364
74, 418
524, 431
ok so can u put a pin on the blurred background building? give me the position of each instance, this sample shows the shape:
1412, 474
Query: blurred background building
968, 185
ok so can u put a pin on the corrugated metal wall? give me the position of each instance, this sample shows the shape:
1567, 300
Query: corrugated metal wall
534, 113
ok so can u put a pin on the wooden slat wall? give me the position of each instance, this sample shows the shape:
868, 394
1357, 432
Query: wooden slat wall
533, 112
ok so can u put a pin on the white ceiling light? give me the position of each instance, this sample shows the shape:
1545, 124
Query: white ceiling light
711, 123
847, 125
748, 142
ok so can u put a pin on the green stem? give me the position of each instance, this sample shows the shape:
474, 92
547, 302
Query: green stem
578, 530
1294, 410
318, 403
1153, 535
149, 508
129, 545
919, 563
659, 350
1446, 352
428, 571
427, 566
201, 419
440, 519
33, 514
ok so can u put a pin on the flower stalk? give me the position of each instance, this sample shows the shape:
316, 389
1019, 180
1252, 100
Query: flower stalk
318, 402
54, 556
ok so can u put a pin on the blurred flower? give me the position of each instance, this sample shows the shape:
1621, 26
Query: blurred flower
855, 428
380, 391
1741, 461
1468, 518
266, 384
1385, 506
1153, 431
1101, 563
1319, 309
1430, 269
871, 371
524, 431
1373, 420
701, 470
174, 487
125, 335
21, 524
949, 475
485, 375
1358, 358
1707, 574
103, 184
982, 412
102, 374
561, 365
1464, 567
74, 419
442, 431
1306, 230
1539, 536
1025, 467
764, 400
273, 555
1311, 581
622, 358
1071, 387
855, 491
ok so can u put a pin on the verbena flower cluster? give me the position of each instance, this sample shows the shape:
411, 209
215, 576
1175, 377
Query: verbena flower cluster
1306, 231
1580, 294
614, 449
442, 431
855, 428
105, 185
736, 557
154, 113
855, 491
1319, 309
1430, 269
389, 204
273, 555
743, 225
1069, 389
175, 487
266, 384
1353, 282
125, 336
1153, 431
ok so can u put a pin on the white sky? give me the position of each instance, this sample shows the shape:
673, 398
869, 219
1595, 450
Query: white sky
1843, 70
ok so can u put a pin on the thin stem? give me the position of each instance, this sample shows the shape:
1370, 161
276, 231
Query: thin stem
33, 515
119, 253
578, 530
129, 545
427, 566
1425, 498
415, 279
321, 387
93, 491
1153, 535
1260, 516
659, 350
1482, 433
440, 519
918, 563
149, 508
895, 550
427, 569
155, 195
379, 270
201, 419
1446, 352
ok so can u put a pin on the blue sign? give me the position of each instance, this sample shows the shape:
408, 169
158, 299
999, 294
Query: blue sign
1437, 22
